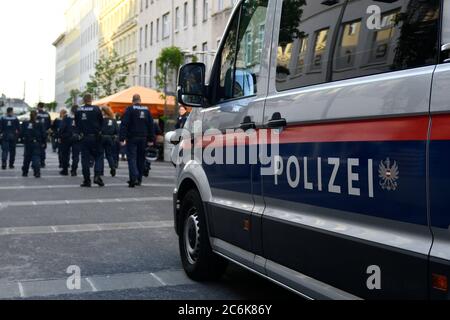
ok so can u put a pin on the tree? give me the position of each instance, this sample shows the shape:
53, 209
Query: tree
168, 64
51, 106
110, 76
72, 100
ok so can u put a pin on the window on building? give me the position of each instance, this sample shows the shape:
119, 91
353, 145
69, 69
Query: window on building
165, 26
177, 18
185, 15
146, 36
205, 9
150, 74
205, 55
144, 76
194, 12
140, 39
151, 33
157, 30
219, 5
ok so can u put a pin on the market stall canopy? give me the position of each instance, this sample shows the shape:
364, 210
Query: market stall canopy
150, 98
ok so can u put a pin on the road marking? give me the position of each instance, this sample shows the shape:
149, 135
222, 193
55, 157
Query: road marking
94, 289
111, 185
158, 279
79, 202
93, 284
86, 228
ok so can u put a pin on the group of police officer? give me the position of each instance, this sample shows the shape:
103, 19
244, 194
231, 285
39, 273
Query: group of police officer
90, 131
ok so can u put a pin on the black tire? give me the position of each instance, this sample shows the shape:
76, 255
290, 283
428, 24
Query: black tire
199, 261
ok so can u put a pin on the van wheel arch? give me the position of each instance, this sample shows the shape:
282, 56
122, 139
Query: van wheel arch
186, 186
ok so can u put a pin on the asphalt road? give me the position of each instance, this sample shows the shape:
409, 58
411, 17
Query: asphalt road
120, 239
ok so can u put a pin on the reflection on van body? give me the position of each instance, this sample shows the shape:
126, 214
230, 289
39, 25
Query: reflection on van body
394, 42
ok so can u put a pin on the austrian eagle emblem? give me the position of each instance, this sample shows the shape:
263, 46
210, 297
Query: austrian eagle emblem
389, 175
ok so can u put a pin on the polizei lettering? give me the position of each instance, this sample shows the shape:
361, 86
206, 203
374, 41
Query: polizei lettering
325, 175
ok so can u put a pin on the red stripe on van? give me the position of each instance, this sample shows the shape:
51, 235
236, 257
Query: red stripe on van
441, 127
393, 129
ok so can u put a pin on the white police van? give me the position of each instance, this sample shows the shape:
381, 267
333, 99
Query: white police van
354, 202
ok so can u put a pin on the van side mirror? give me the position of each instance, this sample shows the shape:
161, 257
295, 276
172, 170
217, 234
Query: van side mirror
191, 85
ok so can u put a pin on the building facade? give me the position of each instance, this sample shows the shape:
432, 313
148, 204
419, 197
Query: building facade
137, 30
118, 31
93, 28
60, 90
72, 43
195, 26
89, 39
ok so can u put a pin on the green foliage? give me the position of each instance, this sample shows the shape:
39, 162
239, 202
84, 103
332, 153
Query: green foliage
51, 106
72, 100
168, 64
110, 76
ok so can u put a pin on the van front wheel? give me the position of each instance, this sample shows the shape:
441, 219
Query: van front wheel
199, 261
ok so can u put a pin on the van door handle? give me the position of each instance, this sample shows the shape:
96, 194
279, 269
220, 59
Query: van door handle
277, 121
248, 124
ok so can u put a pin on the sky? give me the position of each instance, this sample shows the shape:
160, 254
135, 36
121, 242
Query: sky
27, 30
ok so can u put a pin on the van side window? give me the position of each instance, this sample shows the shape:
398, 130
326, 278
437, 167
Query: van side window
378, 37
241, 54
305, 40
373, 37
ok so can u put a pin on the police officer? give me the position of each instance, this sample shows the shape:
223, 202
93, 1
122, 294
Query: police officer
9, 132
55, 127
184, 115
75, 145
55, 141
34, 137
136, 133
110, 134
88, 125
65, 135
46, 121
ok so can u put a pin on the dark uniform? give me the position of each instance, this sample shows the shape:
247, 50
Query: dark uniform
55, 141
88, 126
34, 136
181, 122
46, 121
69, 142
110, 133
55, 127
137, 129
9, 132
